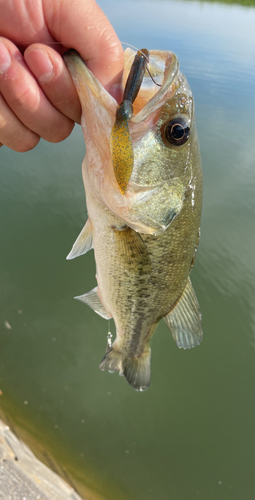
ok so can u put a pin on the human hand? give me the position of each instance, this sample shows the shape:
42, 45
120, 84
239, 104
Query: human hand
37, 95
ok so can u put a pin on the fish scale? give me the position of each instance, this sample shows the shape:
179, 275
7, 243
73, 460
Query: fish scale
144, 238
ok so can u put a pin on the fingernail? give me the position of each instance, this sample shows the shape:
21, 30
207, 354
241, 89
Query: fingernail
40, 65
5, 58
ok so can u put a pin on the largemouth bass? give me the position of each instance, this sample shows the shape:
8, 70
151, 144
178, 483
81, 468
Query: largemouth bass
146, 236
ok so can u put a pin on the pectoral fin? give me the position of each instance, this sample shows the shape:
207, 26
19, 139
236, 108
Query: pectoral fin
132, 250
93, 300
184, 320
83, 243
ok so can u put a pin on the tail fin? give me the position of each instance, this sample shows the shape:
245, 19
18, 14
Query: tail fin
137, 370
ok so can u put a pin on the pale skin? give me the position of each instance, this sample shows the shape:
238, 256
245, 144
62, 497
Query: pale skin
37, 95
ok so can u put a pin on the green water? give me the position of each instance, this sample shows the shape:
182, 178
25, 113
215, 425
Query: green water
191, 434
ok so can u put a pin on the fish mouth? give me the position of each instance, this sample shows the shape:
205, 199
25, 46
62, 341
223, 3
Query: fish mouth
163, 69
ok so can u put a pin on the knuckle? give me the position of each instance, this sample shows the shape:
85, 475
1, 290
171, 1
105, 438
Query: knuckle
22, 143
27, 98
114, 47
70, 106
66, 101
14, 134
60, 131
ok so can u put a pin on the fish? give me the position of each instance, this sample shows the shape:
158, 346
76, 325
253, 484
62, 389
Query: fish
145, 236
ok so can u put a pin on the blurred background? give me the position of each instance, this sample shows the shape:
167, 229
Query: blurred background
191, 434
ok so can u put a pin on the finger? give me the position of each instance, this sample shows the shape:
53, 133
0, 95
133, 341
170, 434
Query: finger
13, 133
84, 27
22, 21
54, 78
26, 99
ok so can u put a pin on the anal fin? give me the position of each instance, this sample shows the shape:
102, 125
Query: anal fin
93, 300
112, 361
136, 370
83, 243
184, 320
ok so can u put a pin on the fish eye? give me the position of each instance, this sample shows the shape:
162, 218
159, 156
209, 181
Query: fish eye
175, 132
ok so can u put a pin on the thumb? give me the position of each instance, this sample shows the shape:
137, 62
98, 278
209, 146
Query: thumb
82, 25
